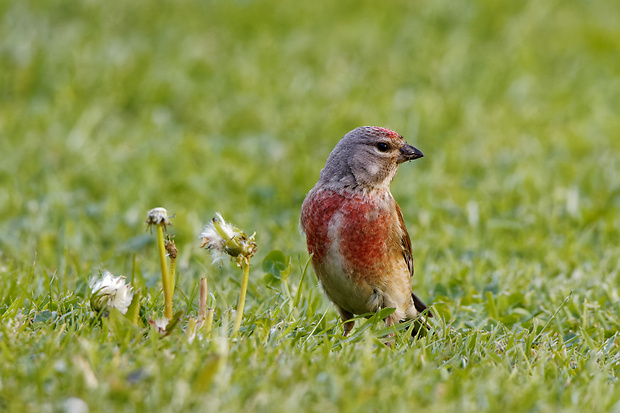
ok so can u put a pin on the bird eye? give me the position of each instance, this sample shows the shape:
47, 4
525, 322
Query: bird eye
383, 147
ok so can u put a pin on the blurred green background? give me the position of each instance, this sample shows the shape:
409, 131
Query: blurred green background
108, 109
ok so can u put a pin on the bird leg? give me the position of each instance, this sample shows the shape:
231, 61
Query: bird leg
348, 326
345, 316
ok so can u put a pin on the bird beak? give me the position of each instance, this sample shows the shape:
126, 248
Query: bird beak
408, 153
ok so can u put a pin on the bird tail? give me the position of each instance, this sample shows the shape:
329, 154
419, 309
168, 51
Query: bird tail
420, 306
420, 327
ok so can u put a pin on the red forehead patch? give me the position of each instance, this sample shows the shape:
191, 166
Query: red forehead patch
388, 132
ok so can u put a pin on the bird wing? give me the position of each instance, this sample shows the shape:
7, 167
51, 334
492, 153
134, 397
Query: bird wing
405, 242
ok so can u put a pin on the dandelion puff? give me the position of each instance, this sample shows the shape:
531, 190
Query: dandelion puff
158, 216
222, 238
110, 291
212, 241
229, 230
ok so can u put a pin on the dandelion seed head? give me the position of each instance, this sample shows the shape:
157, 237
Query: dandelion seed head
158, 216
222, 238
110, 291
229, 230
212, 241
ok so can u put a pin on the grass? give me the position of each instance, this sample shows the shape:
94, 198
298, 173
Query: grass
110, 109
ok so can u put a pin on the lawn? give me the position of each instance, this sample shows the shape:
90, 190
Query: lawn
109, 109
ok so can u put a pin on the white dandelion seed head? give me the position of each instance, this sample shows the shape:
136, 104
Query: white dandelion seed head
214, 242
229, 230
110, 291
211, 239
222, 238
157, 216
122, 299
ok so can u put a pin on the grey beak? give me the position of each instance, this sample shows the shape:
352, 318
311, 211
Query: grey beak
409, 153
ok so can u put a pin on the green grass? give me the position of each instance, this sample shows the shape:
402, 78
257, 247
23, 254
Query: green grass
108, 109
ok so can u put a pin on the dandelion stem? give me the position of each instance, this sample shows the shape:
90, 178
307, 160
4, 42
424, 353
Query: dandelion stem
209, 321
241, 305
191, 329
165, 278
173, 270
171, 249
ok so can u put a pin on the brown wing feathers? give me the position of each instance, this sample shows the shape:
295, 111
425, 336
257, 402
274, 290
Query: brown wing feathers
408, 256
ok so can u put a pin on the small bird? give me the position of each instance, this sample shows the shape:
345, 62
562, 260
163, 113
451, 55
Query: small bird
361, 251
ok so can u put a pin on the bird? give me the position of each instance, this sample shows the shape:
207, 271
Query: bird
355, 233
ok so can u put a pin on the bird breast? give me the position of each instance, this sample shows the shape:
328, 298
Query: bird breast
352, 232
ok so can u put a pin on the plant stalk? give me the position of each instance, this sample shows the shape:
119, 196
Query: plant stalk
209, 321
171, 249
173, 270
241, 305
165, 277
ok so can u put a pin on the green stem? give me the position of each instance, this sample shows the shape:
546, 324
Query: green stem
165, 278
173, 269
209, 322
241, 305
191, 328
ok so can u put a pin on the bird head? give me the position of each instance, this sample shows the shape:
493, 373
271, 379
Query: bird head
368, 158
